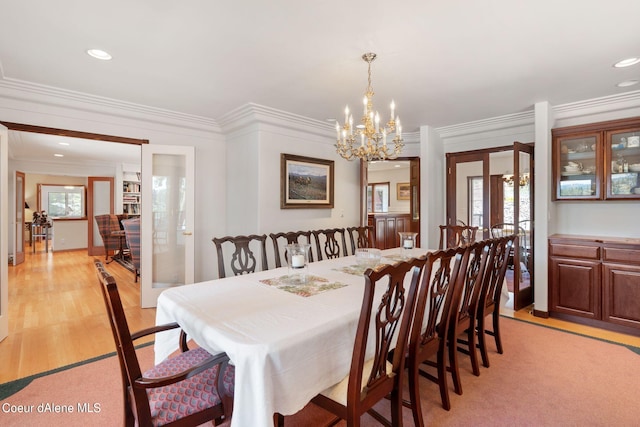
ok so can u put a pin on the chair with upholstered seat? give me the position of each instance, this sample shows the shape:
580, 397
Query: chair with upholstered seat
490, 296
243, 259
288, 238
330, 243
438, 296
452, 236
132, 233
361, 237
464, 319
384, 320
107, 224
185, 390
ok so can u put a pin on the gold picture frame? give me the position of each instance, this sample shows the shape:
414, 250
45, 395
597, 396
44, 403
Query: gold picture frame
306, 182
403, 191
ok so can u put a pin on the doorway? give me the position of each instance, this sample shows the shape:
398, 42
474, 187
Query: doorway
390, 201
493, 190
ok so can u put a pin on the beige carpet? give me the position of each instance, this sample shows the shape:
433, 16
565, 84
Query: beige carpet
545, 378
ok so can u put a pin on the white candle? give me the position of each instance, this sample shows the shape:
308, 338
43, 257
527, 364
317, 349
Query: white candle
364, 102
384, 138
350, 124
408, 244
346, 114
297, 261
393, 108
362, 139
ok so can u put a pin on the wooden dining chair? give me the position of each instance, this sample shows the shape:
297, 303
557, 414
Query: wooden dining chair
330, 243
280, 240
243, 259
464, 318
438, 295
185, 390
452, 236
384, 320
361, 237
490, 296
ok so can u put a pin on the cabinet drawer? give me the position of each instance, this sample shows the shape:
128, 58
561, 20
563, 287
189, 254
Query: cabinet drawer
625, 256
574, 251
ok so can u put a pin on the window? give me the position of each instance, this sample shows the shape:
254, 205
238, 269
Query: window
63, 201
378, 197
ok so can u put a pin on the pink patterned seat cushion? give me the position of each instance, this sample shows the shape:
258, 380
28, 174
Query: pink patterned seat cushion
189, 396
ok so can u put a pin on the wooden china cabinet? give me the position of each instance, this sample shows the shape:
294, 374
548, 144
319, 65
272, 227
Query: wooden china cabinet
597, 161
596, 280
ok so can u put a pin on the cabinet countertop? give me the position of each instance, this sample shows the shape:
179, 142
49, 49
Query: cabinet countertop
598, 239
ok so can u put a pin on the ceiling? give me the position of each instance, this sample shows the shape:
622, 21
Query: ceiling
442, 62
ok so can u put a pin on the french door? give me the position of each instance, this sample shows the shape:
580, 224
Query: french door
18, 257
494, 188
167, 220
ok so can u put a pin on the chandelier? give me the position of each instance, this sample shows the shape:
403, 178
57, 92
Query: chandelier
368, 140
524, 179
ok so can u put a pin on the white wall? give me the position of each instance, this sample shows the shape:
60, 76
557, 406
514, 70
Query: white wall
69, 235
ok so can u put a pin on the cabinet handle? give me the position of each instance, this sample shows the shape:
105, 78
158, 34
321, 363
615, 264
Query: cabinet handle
187, 233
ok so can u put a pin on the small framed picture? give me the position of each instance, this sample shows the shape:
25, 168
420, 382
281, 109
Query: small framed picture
403, 191
305, 182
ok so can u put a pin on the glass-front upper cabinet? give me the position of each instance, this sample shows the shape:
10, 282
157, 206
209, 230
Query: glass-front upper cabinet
622, 163
597, 160
577, 166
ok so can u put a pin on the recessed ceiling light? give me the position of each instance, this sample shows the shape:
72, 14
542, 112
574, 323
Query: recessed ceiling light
627, 83
99, 54
59, 155
63, 143
627, 62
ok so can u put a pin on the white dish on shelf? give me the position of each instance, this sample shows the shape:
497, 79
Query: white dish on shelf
572, 173
634, 167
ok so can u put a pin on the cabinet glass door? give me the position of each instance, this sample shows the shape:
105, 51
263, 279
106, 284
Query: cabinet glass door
622, 164
578, 168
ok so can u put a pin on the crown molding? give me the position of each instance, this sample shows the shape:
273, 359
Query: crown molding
603, 104
494, 123
252, 113
43, 94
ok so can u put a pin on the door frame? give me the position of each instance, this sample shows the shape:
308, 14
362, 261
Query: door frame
522, 298
414, 202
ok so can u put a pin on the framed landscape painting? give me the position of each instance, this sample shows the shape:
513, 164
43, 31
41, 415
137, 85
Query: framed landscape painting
305, 182
403, 190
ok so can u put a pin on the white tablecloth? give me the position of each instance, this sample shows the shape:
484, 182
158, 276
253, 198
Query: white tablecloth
286, 348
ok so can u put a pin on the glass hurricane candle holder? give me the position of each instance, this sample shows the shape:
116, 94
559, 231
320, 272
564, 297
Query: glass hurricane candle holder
297, 255
407, 243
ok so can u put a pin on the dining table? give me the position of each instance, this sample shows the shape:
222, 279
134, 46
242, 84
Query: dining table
288, 340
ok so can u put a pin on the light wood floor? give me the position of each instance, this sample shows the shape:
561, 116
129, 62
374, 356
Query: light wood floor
57, 315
